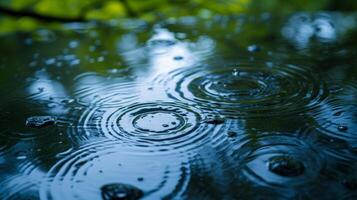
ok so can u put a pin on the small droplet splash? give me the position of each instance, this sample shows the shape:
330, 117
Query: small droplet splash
93, 171
157, 126
341, 126
40, 121
286, 166
119, 191
249, 89
279, 160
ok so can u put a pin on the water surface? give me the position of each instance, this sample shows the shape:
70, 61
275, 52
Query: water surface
237, 107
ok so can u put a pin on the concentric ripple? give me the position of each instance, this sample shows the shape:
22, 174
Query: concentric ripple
162, 126
250, 89
95, 90
83, 173
338, 121
279, 161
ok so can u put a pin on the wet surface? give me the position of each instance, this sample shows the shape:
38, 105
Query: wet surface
227, 108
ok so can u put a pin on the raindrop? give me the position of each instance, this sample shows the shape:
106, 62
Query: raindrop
342, 128
118, 191
40, 121
178, 58
214, 121
232, 134
286, 166
235, 72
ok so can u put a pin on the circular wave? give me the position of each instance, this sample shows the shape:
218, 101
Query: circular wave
94, 90
279, 161
156, 126
83, 173
250, 89
338, 121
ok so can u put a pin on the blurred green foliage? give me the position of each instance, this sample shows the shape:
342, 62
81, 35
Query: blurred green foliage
24, 15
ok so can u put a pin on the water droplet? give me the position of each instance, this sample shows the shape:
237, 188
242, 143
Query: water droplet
286, 166
178, 58
232, 134
40, 121
342, 128
116, 191
215, 121
235, 72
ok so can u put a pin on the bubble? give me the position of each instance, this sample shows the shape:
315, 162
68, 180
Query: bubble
107, 169
246, 90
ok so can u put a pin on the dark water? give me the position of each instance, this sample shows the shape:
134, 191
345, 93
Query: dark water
228, 108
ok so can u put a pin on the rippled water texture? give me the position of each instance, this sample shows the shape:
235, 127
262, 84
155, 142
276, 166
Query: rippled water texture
228, 108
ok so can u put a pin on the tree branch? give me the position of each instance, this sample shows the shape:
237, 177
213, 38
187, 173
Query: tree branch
41, 17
